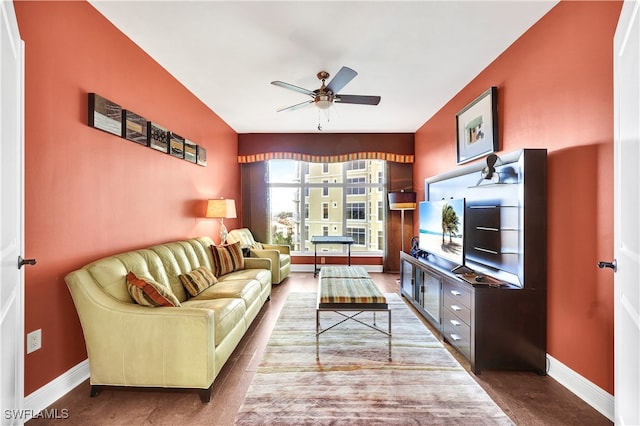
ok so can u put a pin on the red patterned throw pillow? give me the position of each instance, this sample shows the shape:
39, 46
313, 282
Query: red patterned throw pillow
147, 292
227, 258
197, 280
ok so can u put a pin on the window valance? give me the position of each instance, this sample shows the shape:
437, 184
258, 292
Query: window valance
326, 147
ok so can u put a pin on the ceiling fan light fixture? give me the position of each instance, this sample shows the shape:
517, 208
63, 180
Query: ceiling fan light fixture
323, 101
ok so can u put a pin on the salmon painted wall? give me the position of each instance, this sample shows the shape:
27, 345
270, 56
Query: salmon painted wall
88, 193
555, 91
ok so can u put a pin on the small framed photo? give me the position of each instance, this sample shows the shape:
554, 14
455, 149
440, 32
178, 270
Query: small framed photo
477, 127
158, 137
105, 115
202, 156
176, 145
190, 151
135, 128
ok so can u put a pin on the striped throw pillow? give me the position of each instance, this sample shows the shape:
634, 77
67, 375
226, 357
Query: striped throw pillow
147, 292
227, 258
197, 280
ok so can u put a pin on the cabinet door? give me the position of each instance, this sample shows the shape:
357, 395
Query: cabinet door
430, 291
407, 281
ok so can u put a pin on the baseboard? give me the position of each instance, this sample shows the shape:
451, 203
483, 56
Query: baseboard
590, 393
57, 388
300, 267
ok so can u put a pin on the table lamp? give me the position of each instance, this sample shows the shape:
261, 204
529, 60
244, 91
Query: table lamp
221, 209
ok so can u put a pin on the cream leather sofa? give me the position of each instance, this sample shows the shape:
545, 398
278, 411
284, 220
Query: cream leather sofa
280, 255
171, 347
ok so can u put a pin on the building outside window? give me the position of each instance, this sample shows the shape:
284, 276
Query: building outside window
307, 199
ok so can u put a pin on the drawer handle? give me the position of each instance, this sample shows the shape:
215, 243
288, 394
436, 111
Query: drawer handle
456, 308
456, 337
456, 323
456, 293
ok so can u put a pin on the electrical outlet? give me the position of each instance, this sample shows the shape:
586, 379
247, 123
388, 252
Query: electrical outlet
322, 260
34, 340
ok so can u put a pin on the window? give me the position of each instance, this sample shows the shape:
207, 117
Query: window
358, 234
356, 188
357, 165
307, 199
356, 211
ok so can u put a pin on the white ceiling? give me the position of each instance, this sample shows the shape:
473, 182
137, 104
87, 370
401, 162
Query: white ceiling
416, 55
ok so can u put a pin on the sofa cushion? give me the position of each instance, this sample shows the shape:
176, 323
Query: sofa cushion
227, 258
261, 275
247, 290
197, 280
147, 292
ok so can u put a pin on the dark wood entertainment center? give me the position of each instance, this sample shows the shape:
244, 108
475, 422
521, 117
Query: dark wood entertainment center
494, 326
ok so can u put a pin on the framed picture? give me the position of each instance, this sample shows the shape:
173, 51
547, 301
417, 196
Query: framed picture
135, 128
158, 137
105, 115
202, 156
477, 127
190, 151
176, 145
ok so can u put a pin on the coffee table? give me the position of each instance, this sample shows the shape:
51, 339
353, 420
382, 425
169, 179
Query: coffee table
349, 289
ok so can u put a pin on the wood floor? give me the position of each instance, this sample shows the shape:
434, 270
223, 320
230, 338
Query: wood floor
528, 399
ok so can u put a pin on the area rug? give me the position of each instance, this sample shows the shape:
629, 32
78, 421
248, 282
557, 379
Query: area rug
353, 382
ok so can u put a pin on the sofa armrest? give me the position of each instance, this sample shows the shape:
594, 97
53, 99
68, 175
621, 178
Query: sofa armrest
272, 255
281, 248
257, 263
132, 344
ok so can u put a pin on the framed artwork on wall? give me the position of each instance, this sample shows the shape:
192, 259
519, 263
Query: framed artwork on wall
176, 145
135, 128
202, 156
190, 151
158, 137
477, 127
105, 115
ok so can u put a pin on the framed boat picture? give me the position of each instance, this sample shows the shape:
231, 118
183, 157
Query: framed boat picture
477, 127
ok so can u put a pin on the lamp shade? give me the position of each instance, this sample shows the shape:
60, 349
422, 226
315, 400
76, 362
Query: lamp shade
402, 200
221, 209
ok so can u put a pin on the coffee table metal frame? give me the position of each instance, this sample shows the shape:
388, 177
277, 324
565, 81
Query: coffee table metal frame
356, 309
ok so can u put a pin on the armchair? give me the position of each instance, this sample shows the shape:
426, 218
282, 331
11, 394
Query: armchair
280, 255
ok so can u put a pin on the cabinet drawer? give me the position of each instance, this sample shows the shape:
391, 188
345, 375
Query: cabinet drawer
457, 293
456, 308
457, 333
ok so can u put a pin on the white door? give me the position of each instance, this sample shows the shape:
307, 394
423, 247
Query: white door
11, 216
627, 215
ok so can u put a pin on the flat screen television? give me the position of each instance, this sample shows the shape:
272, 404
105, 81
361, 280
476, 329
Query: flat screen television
442, 229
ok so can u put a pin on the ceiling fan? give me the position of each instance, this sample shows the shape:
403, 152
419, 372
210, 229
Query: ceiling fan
326, 95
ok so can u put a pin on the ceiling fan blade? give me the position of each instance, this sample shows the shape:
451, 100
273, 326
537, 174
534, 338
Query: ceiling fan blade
294, 88
296, 106
358, 99
344, 76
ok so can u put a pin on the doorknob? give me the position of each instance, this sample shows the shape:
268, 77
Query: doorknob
22, 262
613, 265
